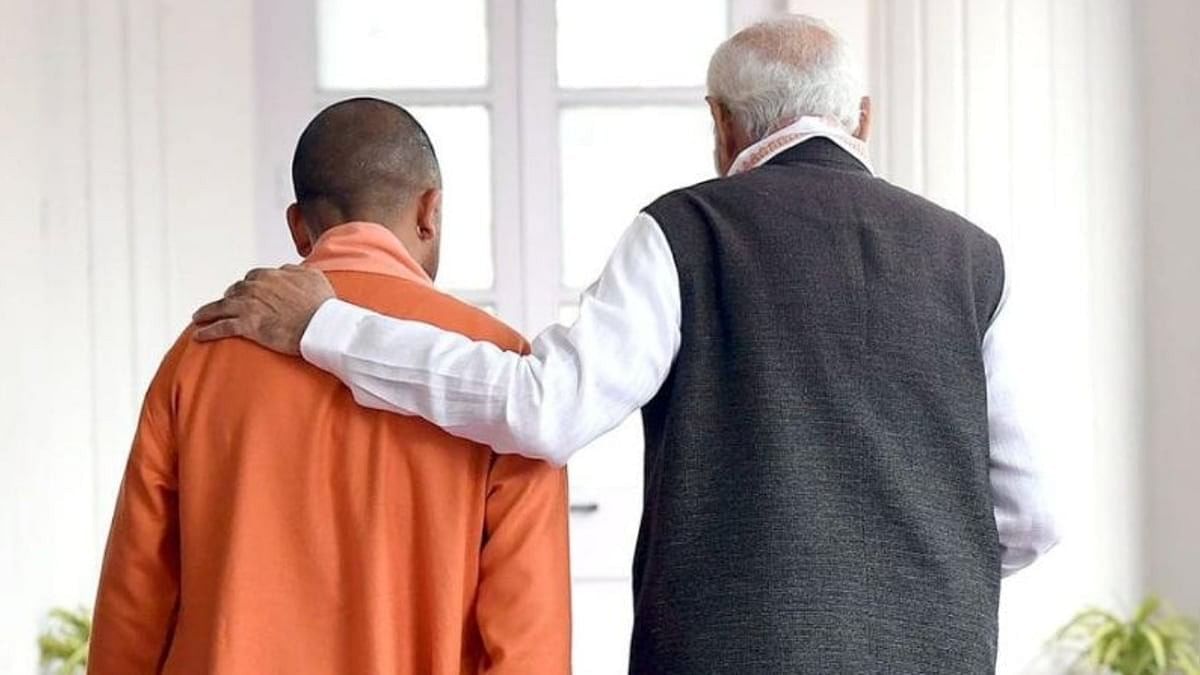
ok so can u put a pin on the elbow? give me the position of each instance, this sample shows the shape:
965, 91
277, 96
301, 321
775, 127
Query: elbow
539, 432
545, 422
549, 448
556, 456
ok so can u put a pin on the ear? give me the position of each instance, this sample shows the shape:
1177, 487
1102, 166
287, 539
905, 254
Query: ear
724, 135
299, 229
722, 119
863, 133
429, 215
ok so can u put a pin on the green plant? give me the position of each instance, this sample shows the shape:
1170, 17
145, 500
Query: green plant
64, 643
1153, 642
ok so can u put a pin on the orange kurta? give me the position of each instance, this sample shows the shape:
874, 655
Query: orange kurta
268, 524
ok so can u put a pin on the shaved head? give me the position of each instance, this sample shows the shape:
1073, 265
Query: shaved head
362, 159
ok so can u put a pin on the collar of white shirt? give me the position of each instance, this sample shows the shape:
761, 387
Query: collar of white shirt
803, 129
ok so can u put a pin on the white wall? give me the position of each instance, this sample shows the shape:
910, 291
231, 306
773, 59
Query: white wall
1170, 70
285, 73
1021, 114
127, 200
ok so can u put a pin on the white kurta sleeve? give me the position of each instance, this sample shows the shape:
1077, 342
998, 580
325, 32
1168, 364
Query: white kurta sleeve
1023, 517
578, 383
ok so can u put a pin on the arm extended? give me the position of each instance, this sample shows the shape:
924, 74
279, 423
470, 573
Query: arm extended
577, 383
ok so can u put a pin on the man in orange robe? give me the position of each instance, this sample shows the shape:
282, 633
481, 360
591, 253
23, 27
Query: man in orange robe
268, 524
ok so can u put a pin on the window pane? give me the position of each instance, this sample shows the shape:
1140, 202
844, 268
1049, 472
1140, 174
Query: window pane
634, 43
615, 161
462, 139
398, 44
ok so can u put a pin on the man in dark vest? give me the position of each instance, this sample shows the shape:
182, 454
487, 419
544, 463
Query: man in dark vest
837, 469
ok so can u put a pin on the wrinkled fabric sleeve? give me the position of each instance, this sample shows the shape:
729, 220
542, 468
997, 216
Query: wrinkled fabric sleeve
1024, 519
578, 383
137, 601
523, 606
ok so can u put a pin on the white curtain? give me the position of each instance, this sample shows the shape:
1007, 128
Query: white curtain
1021, 115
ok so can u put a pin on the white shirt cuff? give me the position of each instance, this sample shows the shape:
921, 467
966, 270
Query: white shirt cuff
330, 331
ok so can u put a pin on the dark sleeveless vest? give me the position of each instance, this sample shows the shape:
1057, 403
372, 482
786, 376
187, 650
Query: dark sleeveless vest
816, 468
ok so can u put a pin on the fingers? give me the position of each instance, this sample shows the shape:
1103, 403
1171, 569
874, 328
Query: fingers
269, 306
221, 329
238, 288
248, 285
220, 309
266, 284
268, 272
258, 288
237, 307
259, 273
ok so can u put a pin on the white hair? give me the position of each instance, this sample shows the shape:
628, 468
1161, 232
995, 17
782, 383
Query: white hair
781, 69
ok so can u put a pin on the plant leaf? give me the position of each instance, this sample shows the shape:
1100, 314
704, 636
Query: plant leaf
1156, 646
1142, 663
1083, 622
63, 645
1113, 652
1187, 659
1100, 642
1148, 608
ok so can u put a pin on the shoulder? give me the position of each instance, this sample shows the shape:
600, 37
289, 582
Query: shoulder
182, 351
162, 395
913, 210
404, 299
693, 197
481, 325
